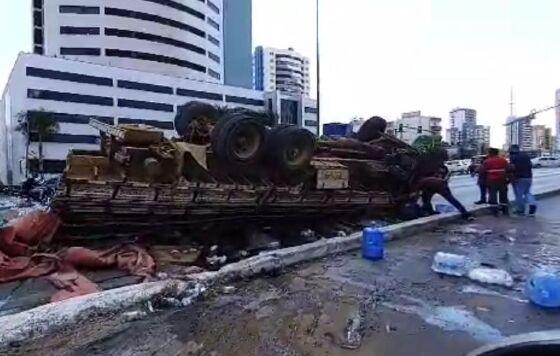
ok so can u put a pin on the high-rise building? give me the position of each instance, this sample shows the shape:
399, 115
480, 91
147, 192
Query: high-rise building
178, 38
538, 137
519, 132
238, 43
282, 70
462, 126
549, 143
413, 124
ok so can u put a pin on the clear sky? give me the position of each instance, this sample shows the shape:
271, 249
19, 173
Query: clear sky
386, 57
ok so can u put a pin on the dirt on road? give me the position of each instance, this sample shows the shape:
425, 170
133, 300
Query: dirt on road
345, 305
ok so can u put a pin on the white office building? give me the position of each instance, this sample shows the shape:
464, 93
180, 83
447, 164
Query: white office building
76, 91
179, 38
462, 126
283, 70
412, 125
74, 77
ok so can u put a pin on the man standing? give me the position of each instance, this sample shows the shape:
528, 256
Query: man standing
481, 182
522, 180
494, 169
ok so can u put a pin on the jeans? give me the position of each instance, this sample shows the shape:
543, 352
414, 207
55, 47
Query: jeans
523, 196
483, 192
447, 195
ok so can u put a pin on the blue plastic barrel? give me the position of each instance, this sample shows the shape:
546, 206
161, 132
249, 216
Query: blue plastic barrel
373, 242
543, 289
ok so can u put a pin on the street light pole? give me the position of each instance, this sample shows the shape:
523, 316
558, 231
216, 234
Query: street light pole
318, 74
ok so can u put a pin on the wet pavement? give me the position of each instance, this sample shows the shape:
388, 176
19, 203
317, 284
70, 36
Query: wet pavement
345, 305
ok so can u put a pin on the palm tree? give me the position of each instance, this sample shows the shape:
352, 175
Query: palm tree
40, 124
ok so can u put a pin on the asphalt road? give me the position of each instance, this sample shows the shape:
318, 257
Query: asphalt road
465, 189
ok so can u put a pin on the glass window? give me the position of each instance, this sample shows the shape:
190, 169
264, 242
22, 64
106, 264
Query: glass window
38, 36
154, 18
77, 118
154, 58
147, 105
310, 110
66, 76
214, 24
213, 6
75, 51
154, 38
214, 57
144, 86
213, 40
180, 7
69, 97
38, 4
82, 10
164, 125
241, 100
38, 18
214, 74
311, 123
69, 30
199, 94
66, 138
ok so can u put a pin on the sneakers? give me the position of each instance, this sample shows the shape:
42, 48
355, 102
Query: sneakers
532, 210
480, 202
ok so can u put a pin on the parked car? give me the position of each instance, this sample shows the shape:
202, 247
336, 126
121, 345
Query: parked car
541, 162
457, 167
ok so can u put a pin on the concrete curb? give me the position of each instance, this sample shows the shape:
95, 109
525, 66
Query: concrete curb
49, 318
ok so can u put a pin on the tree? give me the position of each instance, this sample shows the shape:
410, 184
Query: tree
39, 125
428, 144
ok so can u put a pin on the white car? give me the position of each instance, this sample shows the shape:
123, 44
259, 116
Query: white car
541, 162
457, 167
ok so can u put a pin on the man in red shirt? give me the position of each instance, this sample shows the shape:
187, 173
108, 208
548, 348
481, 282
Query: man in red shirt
495, 169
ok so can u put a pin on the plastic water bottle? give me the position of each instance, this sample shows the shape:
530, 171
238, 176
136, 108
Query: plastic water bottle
543, 289
373, 242
450, 264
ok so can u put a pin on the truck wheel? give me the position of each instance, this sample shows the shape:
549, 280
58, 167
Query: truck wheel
194, 110
371, 129
239, 140
291, 148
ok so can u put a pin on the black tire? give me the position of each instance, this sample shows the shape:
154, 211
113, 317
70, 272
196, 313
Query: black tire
239, 140
371, 129
192, 111
290, 148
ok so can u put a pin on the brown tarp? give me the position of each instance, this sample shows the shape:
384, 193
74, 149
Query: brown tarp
19, 260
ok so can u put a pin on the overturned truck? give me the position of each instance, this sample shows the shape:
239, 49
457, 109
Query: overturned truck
230, 165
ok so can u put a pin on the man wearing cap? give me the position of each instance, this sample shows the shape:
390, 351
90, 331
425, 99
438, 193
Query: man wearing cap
495, 169
522, 171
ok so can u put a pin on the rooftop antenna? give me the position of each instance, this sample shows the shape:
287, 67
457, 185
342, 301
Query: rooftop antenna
511, 103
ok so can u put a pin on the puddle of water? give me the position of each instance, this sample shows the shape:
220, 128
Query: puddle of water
450, 319
470, 289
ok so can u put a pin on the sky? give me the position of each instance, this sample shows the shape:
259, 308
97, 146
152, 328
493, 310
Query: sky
386, 57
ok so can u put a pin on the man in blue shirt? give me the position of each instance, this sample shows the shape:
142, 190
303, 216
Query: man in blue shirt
522, 171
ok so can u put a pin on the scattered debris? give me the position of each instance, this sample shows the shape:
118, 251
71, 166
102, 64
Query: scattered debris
451, 264
134, 315
229, 289
353, 337
491, 276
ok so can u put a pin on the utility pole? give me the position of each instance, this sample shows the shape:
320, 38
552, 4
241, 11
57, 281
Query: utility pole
318, 73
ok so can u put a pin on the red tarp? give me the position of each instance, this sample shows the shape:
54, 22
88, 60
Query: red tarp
19, 241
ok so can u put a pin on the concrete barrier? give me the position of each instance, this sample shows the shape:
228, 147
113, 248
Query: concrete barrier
49, 318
